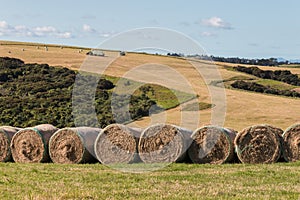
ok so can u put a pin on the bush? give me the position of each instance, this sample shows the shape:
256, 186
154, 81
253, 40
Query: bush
38, 93
104, 84
255, 87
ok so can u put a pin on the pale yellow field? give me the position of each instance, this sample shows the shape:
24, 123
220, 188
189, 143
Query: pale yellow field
242, 108
293, 70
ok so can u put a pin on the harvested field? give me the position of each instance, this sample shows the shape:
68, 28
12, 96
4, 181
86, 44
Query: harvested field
163, 143
291, 143
212, 144
254, 108
6, 134
117, 143
30, 145
73, 145
259, 144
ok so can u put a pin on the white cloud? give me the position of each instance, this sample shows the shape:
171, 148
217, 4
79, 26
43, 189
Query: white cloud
3, 25
44, 31
64, 35
20, 28
29, 34
217, 22
5, 28
39, 31
207, 34
87, 28
106, 34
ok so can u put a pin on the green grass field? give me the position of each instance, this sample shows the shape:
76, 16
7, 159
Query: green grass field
177, 181
197, 106
164, 97
167, 98
276, 84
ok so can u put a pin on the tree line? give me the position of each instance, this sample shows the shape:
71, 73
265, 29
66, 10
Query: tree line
285, 76
237, 60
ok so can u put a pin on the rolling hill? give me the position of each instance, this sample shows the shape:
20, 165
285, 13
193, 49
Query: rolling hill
242, 108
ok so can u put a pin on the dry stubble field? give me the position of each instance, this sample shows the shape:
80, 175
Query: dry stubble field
242, 108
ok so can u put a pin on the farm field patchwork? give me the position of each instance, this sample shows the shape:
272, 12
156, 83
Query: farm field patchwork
243, 108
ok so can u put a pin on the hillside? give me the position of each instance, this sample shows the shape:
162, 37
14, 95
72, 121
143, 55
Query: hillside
31, 94
243, 108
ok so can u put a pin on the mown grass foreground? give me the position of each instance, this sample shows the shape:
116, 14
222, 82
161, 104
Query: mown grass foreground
177, 181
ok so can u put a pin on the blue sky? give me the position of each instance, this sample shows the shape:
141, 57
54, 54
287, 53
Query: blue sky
252, 29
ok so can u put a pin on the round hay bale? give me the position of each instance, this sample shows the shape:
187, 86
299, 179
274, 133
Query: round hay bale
291, 143
117, 143
30, 145
6, 134
212, 144
164, 143
259, 144
73, 145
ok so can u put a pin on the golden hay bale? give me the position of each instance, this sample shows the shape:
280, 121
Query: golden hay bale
212, 144
117, 143
259, 144
73, 145
164, 143
291, 143
6, 134
30, 145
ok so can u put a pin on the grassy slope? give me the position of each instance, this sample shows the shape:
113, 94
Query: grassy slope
243, 108
266, 82
276, 84
165, 97
177, 181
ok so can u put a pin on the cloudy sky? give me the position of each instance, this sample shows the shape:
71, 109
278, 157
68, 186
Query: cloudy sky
243, 28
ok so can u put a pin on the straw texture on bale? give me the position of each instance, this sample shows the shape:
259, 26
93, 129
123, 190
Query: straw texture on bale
259, 144
291, 143
6, 134
213, 145
117, 143
73, 145
164, 143
30, 145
